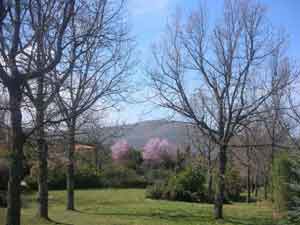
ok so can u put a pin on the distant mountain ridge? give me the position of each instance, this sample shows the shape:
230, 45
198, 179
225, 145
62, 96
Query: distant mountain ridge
138, 134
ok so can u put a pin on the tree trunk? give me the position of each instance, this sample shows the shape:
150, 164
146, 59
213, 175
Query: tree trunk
266, 188
256, 186
248, 184
210, 178
248, 177
42, 154
219, 198
13, 213
43, 179
70, 169
210, 183
97, 163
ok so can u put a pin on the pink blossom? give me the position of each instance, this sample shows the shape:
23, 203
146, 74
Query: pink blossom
157, 150
120, 150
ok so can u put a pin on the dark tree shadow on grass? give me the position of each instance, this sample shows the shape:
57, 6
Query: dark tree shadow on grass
58, 223
162, 214
248, 221
182, 215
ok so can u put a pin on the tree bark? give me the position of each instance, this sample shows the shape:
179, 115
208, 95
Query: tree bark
248, 184
70, 169
43, 180
248, 177
266, 188
42, 154
256, 186
210, 178
97, 163
219, 198
13, 213
210, 183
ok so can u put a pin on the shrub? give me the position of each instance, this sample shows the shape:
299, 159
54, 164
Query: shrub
31, 182
85, 177
233, 185
4, 174
57, 178
122, 177
191, 179
156, 191
135, 159
157, 175
286, 186
3, 202
280, 178
188, 185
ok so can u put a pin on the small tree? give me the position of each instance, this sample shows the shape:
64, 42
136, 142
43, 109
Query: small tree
294, 187
158, 151
98, 78
120, 150
281, 176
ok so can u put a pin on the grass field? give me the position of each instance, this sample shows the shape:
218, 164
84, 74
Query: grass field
129, 207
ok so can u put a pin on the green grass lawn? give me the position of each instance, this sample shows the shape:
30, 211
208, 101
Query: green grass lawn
129, 207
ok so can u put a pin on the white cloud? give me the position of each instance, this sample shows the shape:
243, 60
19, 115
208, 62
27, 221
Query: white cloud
139, 7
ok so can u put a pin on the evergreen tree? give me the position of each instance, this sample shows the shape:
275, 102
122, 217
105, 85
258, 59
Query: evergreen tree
294, 188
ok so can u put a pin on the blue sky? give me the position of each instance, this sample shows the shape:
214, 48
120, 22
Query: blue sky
148, 18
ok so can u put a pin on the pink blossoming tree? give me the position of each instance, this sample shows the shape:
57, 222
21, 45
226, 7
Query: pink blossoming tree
158, 150
120, 150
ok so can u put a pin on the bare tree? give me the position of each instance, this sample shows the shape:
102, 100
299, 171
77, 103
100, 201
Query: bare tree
42, 91
101, 133
97, 76
23, 31
206, 148
276, 107
226, 65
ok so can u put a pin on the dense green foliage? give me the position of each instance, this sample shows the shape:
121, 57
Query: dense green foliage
2, 199
88, 177
135, 159
130, 207
85, 177
4, 173
280, 179
119, 176
294, 189
286, 187
188, 185
157, 175
233, 185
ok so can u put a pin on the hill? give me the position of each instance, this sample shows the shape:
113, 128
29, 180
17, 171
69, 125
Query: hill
138, 134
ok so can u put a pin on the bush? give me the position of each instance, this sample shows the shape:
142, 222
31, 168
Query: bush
157, 175
122, 177
4, 174
135, 159
280, 178
3, 202
294, 188
85, 177
286, 186
188, 185
233, 185
88, 177
156, 191
31, 182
